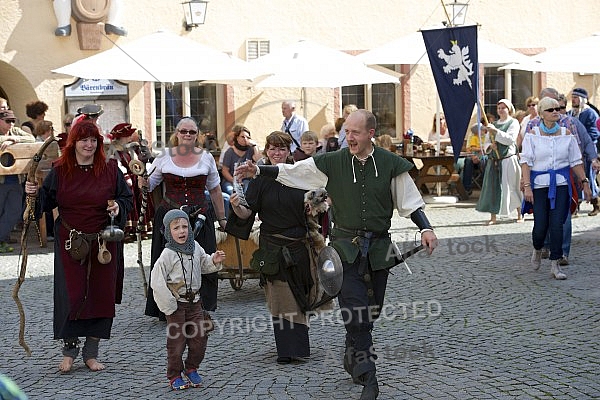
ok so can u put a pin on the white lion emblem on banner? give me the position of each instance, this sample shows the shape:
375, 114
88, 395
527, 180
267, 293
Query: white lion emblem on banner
458, 59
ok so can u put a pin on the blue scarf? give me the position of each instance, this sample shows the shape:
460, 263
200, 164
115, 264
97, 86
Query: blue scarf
549, 131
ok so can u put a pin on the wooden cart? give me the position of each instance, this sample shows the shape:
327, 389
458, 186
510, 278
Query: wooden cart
236, 267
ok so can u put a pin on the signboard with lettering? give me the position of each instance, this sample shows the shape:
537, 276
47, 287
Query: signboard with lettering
95, 88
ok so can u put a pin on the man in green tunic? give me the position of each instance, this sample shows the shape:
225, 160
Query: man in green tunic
365, 184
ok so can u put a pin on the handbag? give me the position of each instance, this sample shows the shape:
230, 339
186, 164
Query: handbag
265, 261
238, 227
77, 245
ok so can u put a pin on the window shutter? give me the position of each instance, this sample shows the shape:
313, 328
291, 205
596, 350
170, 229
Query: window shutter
256, 48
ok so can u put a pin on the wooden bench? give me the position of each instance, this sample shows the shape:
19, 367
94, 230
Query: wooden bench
437, 169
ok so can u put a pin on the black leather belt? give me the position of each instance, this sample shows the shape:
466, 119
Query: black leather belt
362, 233
190, 210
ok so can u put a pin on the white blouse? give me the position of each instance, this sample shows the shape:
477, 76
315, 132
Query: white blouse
544, 153
164, 165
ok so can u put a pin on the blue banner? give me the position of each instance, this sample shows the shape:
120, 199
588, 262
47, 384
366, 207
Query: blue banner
453, 57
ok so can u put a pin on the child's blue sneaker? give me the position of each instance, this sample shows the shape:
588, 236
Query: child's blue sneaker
179, 384
194, 378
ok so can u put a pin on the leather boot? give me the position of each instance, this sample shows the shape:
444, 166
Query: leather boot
556, 271
596, 209
349, 365
371, 388
536, 259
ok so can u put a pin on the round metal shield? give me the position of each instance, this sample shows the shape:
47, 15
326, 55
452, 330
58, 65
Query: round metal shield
330, 271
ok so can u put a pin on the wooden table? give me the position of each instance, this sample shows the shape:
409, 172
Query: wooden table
436, 169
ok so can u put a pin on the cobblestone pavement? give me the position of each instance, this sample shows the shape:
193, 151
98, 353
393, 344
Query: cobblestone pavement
472, 321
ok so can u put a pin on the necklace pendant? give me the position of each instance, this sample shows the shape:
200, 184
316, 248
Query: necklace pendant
85, 168
189, 295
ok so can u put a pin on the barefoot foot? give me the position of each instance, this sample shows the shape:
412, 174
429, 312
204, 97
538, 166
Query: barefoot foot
66, 364
94, 365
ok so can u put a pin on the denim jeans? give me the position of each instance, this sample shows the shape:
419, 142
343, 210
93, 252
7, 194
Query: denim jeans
11, 208
465, 167
226, 187
567, 232
226, 202
547, 221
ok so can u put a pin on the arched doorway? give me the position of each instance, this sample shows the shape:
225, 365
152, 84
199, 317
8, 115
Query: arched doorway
15, 88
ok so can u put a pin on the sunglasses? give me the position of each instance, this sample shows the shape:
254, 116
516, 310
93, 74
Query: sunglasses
188, 132
531, 105
10, 121
563, 107
67, 124
557, 109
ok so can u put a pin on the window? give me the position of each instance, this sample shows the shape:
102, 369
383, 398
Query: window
522, 87
383, 103
173, 109
384, 107
256, 48
353, 95
202, 107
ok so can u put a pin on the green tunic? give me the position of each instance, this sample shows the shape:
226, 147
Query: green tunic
362, 200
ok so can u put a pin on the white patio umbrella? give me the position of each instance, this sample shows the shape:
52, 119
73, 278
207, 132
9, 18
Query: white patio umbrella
161, 57
309, 64
410, 50
578, 56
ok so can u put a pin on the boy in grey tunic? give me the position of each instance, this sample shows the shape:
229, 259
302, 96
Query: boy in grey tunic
176, 280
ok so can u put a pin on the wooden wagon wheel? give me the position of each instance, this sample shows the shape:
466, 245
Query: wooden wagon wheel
236, 283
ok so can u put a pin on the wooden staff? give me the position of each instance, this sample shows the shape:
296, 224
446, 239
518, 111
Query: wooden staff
28, 218
139, 168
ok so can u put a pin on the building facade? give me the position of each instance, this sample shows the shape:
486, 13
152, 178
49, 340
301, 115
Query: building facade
29, 50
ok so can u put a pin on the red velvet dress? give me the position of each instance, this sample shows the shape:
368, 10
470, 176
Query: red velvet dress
85, 306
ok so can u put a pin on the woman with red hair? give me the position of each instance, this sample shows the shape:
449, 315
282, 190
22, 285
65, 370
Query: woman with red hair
88, 191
